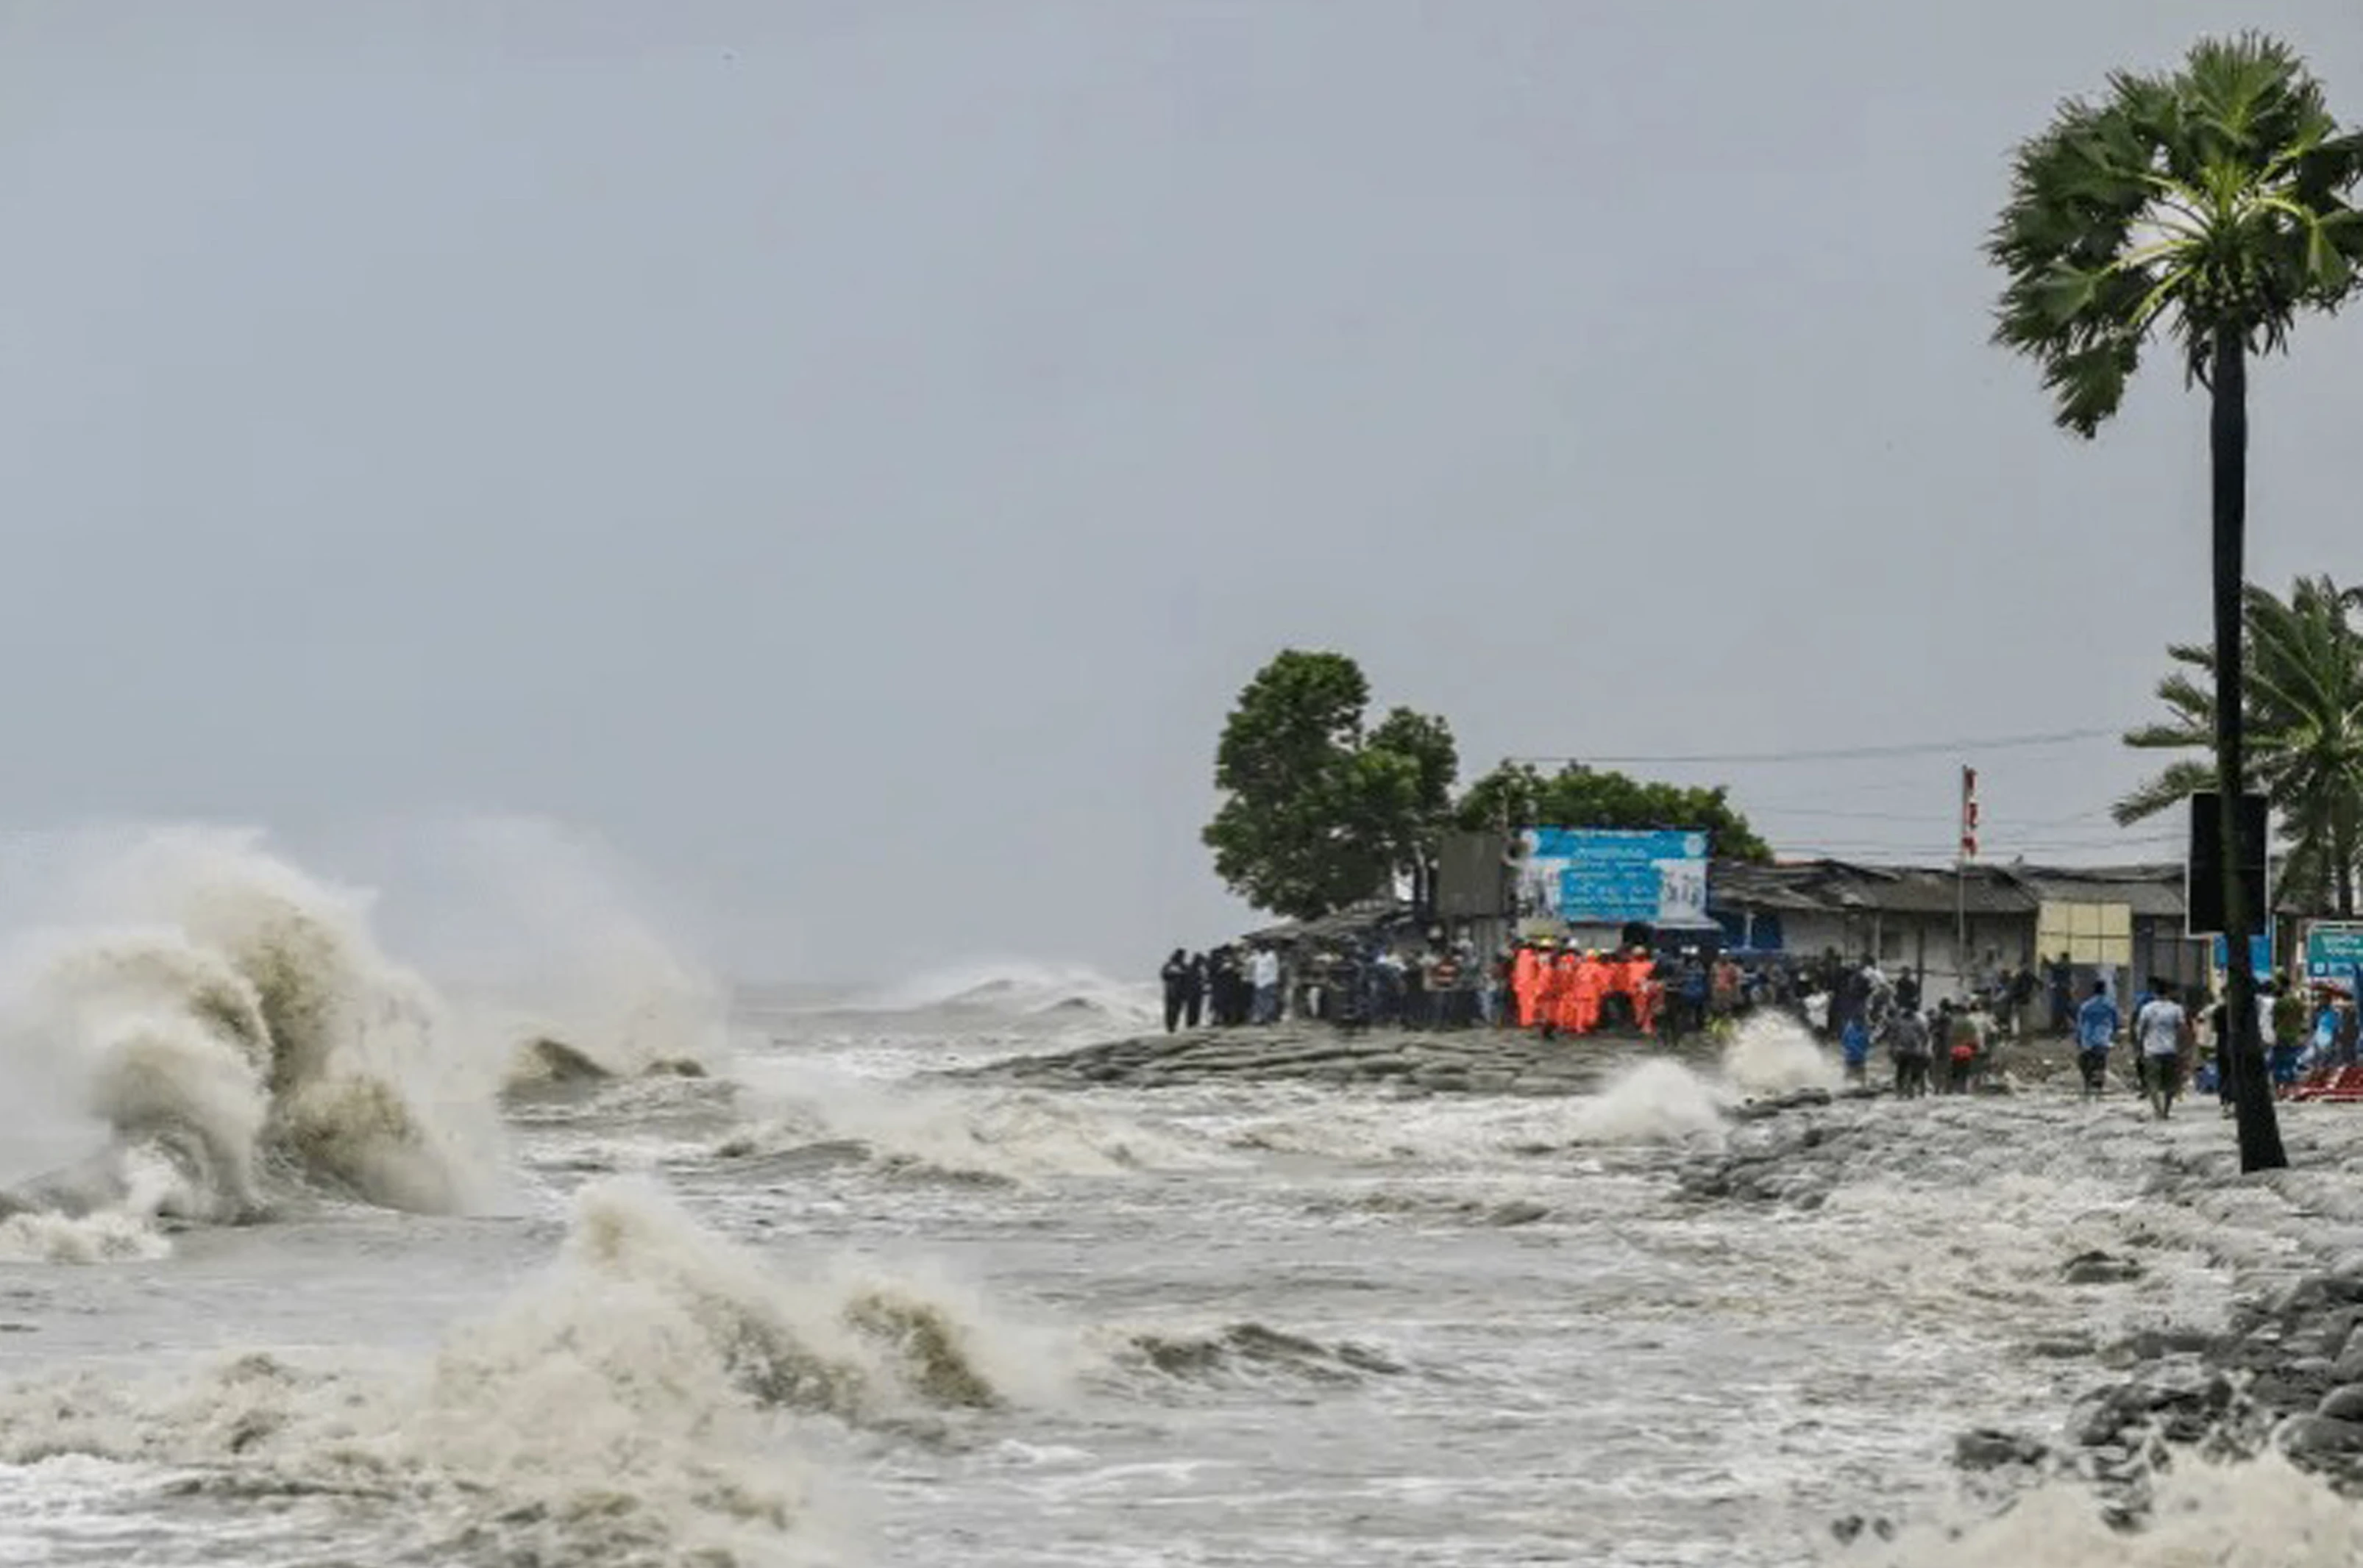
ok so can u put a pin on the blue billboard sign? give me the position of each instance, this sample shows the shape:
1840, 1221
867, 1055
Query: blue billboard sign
1608, 877
2334, 951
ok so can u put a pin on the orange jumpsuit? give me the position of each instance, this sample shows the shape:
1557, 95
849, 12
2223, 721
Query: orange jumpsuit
1550, 1005
1591, 984
1643, 992
1567, 1009
1527, 985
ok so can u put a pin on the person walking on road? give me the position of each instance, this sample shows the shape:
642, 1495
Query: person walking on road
2096, 1029
2164, 1035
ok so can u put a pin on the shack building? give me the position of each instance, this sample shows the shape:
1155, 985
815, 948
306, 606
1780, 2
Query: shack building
1957, 927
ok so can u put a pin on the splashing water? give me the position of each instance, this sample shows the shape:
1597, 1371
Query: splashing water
644, 1401
1654, 1101
538, 938
1014, 987
2267, 1514
1016, 1137
1771, 1055
234, 1022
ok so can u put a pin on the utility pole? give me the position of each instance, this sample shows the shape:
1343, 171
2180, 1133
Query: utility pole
1968, 852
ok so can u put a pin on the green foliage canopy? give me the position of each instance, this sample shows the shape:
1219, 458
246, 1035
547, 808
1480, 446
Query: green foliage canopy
1317, 813
1515, 795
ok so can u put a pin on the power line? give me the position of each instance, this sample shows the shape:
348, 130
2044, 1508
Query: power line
2000, 848
1847, 754
1842, 814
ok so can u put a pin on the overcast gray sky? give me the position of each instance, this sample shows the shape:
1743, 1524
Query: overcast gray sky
848, 455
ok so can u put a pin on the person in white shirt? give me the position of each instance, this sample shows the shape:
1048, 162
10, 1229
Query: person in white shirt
2162, 1031
1264, 973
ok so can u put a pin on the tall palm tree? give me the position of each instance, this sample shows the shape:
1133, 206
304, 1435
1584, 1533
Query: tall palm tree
2210, 202
2303, 730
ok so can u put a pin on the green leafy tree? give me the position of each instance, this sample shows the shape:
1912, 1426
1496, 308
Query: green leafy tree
1515, 795
2303, 663
1421, 764
2211, 202
1316, 813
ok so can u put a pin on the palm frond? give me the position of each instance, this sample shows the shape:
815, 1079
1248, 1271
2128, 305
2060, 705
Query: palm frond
2168, 790
2213, 199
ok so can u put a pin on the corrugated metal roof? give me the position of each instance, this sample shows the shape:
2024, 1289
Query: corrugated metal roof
1844, 887
2153, 892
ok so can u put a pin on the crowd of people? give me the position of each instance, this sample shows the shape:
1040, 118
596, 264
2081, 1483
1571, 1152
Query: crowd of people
2304, 1029
1557, 989
1552, 987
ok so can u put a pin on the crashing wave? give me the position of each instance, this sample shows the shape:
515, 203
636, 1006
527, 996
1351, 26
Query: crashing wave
242, 1036
646, 1401
1014, 1138
1011, 989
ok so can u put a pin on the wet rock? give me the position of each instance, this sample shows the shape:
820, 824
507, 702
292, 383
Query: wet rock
2156, 1344
1849, 1528
1987, 1448
2181, 1412
2100, 1268
2344, 1403
2317, 1292
1778, 1105
2319, 1436
2065, 1347
1521, 1212
2253, 1354
556, 1062
2290, 1389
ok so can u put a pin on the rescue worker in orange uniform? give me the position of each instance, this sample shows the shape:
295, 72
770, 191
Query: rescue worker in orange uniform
1567, 1003
1527, 985
1643, 989
1591, 984
1552, 1006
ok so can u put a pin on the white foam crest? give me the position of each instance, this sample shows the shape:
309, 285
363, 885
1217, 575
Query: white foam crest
537, 932
656, 1393
1771, 1055
2267, 1514
1014, 1135
1888, 1175
1654, 1101
195, 994
1013, 988
1468, 1131
112, 1235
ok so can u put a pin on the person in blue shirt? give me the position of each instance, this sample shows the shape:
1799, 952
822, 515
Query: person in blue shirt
2096, 1028
1854, 1044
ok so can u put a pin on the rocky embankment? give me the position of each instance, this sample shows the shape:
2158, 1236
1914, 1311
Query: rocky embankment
2287, 1376
2282, 1373
1472, 1061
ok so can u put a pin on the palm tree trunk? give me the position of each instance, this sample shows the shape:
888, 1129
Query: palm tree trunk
2227, 440
2342, 844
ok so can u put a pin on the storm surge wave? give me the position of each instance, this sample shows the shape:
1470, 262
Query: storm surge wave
656, 1396
231, 1030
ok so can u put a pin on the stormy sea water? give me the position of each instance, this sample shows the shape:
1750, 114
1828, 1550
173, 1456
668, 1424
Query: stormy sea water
313, 1258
